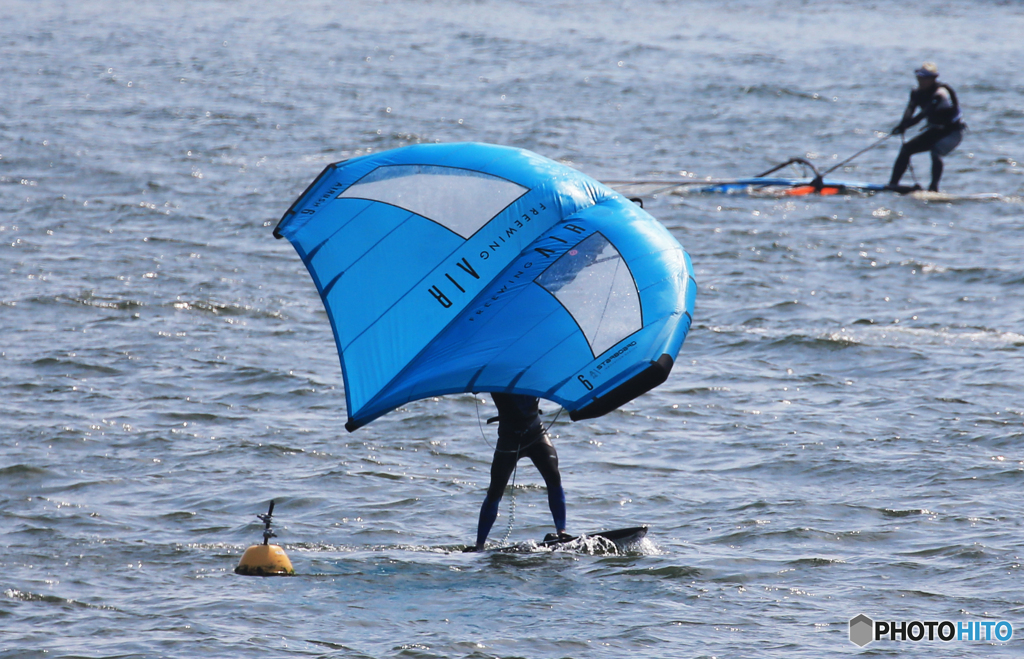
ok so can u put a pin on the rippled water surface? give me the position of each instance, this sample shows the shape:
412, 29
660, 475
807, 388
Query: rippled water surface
841, 434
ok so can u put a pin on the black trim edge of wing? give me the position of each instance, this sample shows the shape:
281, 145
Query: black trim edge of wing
639, 384
291, 209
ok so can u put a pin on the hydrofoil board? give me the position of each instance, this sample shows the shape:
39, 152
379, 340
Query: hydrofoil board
598, 541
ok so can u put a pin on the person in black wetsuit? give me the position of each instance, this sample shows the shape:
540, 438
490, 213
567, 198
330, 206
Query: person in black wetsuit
520, 434
943, 132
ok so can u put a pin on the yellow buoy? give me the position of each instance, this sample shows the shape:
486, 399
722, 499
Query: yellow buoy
265, 560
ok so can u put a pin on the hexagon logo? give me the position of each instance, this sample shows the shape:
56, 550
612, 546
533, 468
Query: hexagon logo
861, 630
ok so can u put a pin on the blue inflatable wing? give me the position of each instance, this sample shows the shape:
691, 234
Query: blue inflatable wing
449, 268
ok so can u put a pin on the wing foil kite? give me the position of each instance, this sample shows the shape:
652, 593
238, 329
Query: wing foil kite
449, 268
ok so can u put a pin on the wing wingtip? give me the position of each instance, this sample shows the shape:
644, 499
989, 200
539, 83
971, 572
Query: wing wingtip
639, 384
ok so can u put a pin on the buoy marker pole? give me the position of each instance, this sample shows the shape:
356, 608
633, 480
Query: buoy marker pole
265, 518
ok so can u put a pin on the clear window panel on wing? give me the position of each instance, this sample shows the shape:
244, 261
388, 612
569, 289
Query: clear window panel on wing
595, 286
461, 200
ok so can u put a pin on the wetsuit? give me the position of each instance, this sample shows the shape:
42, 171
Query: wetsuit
944, 130
520, 434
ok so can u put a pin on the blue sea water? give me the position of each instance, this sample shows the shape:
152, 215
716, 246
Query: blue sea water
841, 434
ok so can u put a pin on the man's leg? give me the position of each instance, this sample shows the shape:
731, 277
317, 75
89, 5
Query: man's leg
936, 171
502, 466
542, 453
923, 142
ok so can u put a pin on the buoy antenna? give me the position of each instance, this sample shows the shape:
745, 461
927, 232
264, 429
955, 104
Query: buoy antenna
265, 518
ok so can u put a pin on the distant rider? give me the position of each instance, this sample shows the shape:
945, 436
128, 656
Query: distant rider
944, 129
520, 434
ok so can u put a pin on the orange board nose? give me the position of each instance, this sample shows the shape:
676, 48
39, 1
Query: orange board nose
802, 190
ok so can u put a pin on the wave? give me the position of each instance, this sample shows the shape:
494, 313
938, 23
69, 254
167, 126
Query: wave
27, 596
